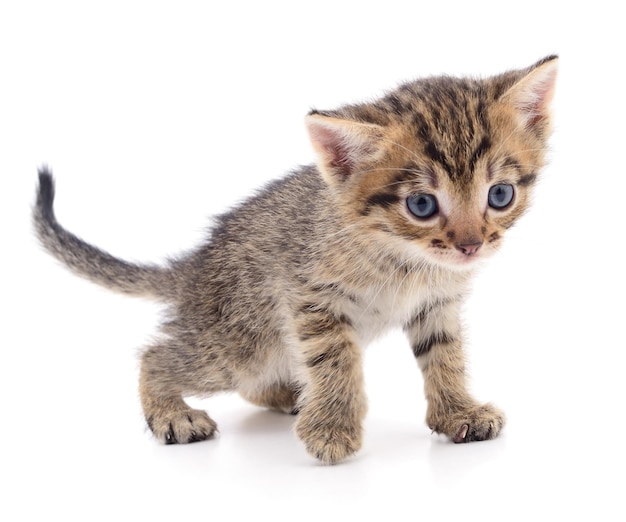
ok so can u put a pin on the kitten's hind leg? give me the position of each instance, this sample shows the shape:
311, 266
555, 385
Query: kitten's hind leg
280, 397
162, 381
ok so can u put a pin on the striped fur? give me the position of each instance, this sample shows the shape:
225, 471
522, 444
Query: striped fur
291, 285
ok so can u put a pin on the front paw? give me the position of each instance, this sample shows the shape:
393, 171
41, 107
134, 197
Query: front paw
481, 422
329, 442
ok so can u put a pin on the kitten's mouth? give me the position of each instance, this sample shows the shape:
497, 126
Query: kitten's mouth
456, 260
466, 261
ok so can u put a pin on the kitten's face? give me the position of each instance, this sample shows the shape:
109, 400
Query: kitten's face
449, 215
440, 169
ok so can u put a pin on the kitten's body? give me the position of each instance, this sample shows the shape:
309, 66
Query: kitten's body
279, 302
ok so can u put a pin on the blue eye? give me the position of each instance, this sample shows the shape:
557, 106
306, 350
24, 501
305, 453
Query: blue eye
500, 196
422, 205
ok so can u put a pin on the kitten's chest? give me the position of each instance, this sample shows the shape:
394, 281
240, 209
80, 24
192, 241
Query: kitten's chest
377, 308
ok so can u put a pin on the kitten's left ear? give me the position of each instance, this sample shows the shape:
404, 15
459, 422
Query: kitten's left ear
531, 96
343, 146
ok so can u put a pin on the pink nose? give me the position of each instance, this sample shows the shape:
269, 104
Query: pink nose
468, 248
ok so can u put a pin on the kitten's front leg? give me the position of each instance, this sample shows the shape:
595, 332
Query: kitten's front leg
436, 340
333, 404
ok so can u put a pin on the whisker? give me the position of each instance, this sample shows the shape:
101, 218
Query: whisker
409, 182
392, 142
385, 169
344, 230
504, 141
528, 166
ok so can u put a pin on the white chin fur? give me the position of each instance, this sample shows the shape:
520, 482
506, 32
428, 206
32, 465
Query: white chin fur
458, 263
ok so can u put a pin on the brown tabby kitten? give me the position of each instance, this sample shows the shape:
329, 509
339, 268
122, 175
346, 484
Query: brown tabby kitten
409, 193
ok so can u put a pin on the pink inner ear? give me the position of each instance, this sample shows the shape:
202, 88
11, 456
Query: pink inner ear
342, 144
334, 148
537, 109
535, 97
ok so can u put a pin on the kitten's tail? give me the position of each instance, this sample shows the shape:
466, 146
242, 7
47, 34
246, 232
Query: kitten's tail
90, 262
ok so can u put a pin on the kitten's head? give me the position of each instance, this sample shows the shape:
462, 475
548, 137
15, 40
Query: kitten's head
439, 168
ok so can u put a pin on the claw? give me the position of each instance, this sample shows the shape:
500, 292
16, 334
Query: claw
460, 436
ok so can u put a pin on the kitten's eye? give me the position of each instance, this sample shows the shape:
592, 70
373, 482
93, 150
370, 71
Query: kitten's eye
500, 196
422, 205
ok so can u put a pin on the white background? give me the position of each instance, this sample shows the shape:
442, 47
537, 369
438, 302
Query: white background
156, 115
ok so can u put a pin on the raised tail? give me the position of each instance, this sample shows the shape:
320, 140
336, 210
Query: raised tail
90, 262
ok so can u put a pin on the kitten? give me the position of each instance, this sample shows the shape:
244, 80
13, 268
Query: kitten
409, 193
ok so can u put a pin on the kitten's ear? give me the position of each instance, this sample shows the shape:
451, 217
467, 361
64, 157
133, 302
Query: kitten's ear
342, 145
532, 94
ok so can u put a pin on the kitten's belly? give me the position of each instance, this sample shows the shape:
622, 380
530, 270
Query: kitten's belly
273, 366
371, 312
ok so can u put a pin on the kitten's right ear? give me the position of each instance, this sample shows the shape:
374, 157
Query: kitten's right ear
343, 146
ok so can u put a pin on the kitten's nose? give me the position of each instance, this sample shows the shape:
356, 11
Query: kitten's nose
468, 248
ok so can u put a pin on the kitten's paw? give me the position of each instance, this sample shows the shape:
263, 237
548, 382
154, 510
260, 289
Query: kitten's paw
478, 423
328, 442
182, 427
